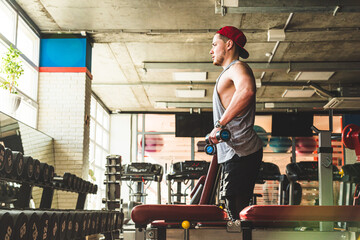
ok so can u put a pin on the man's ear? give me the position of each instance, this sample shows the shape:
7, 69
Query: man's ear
229, 44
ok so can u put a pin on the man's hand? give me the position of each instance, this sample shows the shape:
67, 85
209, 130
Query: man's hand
212, 136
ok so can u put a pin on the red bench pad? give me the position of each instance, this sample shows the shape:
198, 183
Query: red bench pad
300, 213
145, 214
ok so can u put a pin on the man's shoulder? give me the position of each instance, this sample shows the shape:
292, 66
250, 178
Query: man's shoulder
240, 66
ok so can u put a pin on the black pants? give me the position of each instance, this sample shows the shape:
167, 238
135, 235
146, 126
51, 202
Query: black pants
238, 181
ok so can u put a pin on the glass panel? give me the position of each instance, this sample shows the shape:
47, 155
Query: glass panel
3, 50
322, 123
165, 148
140, 120
105, 143
28, 82
160, 122
91, 152
99, 113
93, 107
7, 20
92, 129
103, 159
98, 155
27, 113
106, 120
28, 42
99, 134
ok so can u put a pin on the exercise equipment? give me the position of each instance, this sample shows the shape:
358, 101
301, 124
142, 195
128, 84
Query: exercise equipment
2, 157
271, 172
18, 165
269, 222
350, 137
280, 144
222, 135
181, 172
303, 171
141, 174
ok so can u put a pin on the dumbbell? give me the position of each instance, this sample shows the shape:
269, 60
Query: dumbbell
223, 135
2, 157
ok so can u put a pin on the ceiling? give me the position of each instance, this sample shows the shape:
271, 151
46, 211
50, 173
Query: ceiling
138, 45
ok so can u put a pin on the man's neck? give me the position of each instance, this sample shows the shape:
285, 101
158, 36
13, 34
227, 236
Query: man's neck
227, 61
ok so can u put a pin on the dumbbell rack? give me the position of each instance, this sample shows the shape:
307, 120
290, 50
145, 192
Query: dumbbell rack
87, 222
24, 198
113, 190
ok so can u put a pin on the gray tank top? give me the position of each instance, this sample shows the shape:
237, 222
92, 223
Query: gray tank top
244, 140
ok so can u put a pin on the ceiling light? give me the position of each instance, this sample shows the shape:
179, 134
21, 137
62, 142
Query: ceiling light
315, 76
343, 103
269, 105
183, 104
275, 35
293, 93
258, 82
190, 76
161, 105
190, 93
231, 3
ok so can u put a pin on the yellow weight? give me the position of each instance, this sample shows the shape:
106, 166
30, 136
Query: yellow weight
185, 224
341, 172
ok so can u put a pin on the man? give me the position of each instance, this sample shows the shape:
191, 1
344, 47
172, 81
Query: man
234, 109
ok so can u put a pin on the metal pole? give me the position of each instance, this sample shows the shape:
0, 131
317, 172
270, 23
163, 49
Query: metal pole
325, 175
143, 139
159, 192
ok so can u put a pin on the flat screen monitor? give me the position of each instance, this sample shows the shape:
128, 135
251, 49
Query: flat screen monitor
193, 125
292, 124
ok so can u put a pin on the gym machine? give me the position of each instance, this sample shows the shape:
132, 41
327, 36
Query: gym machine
182, 172
134, 173
271, 172
141, 173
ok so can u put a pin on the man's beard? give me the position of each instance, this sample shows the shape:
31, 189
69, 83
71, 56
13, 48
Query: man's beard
219, 59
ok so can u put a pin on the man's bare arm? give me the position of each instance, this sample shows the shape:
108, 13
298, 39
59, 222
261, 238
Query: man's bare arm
244, 94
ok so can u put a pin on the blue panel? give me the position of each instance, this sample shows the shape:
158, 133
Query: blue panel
63, 52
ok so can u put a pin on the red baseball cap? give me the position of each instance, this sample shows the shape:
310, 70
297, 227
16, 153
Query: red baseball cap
237, 36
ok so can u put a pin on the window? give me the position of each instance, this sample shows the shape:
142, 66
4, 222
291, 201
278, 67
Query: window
163, 148
14, 31
28, 42
8, 20
98, 150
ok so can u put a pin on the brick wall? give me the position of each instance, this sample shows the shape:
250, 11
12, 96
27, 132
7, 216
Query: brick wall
64, 103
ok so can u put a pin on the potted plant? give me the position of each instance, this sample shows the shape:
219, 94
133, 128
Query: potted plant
12, 69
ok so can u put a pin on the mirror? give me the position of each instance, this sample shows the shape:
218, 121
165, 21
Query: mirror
20, 137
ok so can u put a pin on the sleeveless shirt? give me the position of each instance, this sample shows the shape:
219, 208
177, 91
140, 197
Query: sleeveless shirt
244, 140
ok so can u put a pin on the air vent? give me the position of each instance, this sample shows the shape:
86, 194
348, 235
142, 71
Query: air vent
344, 103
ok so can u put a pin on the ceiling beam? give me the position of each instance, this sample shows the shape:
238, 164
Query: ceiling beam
256, 66
283, 6
319, 9
259, 105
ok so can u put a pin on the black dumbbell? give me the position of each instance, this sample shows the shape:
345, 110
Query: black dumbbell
222, 136
2, 157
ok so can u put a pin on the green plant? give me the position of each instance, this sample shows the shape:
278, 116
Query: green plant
12, 68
